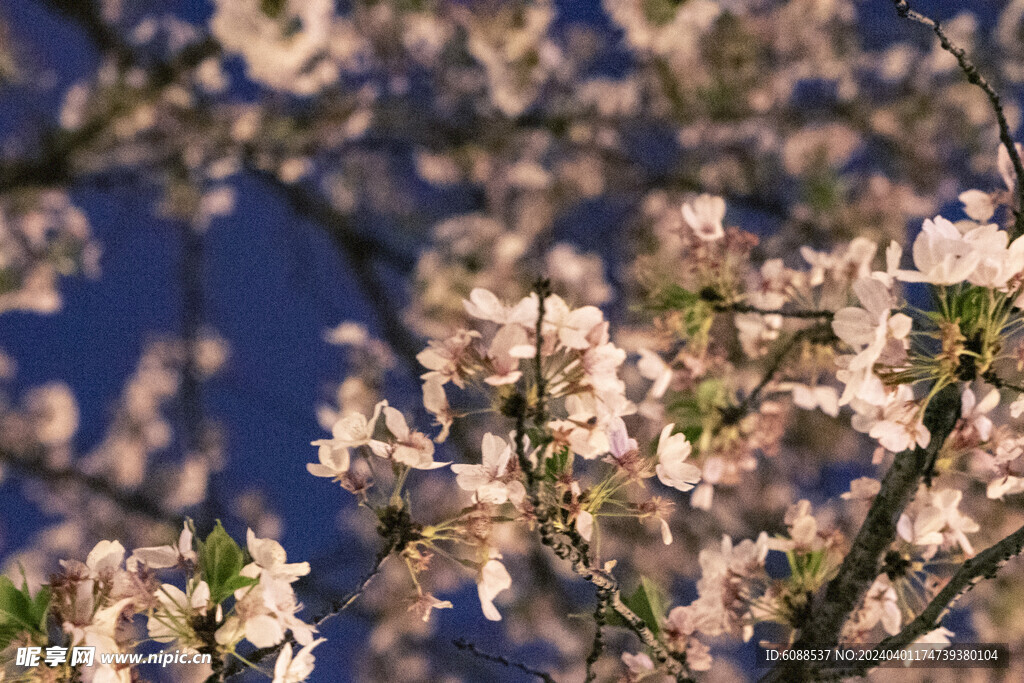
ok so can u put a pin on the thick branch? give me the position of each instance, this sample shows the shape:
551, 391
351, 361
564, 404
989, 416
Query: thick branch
975, 78
984, 565
597, 646
860, 567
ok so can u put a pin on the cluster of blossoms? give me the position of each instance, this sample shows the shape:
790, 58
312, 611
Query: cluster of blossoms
504, 368
553, 374
500, 107
40, 242
226, 597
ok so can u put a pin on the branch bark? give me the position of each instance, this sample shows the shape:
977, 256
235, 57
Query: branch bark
861, 565
982, 566
564, 540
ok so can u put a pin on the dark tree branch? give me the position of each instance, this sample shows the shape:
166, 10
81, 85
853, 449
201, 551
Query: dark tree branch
566, 542
999, 383
975, 78
860, 567
982, 566
597, 646
55, 164
821, 333
740, 307
469, 647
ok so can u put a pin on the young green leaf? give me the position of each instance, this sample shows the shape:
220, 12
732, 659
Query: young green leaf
20, 612
221, 559
648, 602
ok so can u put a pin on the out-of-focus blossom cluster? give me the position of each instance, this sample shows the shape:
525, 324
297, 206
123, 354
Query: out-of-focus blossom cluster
42, 238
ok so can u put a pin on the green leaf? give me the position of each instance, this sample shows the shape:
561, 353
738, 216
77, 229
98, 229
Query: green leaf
20, 612
692, 433
41, 605
674, 298
237, 582
648, 602
556, 464
221, 560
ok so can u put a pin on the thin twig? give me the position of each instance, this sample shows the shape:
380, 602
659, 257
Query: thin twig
975, 78
469, 647
817, 332
337, 607
741, 307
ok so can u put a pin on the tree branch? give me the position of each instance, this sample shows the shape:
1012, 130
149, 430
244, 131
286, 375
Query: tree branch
597, 646
575, 550
35, 466
975, 78
984, 565
469, 647
820, 333
860, 567
740, 307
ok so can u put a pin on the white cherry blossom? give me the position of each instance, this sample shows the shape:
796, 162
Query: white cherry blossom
704, 216
941, 255
493, 579
289, 669
672, 468
494, 480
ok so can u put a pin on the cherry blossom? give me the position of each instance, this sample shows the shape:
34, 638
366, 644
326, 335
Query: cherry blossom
493, 579
704, 216
494, 480
289, 669
672, 468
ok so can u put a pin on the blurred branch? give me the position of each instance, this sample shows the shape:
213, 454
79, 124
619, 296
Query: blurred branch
740, 307
820, 334
975, 78
89, 16
597, 645
193, 421
469, 647
34, 465
338, 226
55, 164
